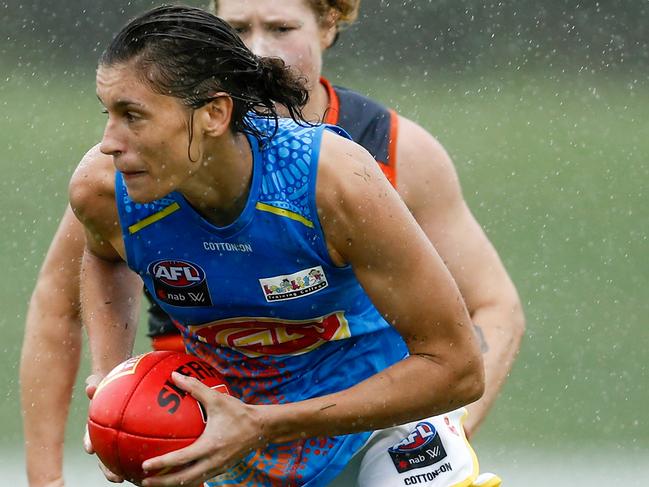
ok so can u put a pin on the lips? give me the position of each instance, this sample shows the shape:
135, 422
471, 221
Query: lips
130, 174
125, 167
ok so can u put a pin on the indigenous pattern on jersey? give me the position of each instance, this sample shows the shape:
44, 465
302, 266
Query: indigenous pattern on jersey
261, 300
369, 124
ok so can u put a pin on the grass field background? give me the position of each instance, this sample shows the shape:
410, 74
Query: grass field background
553, 165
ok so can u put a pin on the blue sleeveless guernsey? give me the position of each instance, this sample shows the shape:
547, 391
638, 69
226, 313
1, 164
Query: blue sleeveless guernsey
368, 123
261, 300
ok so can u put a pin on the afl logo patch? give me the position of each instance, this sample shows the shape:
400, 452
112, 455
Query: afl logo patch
422, 447
179, 283
177, 273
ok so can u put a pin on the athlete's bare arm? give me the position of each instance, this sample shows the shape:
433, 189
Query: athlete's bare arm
51, 351
428, 183
50, 354
110, 291
367, 226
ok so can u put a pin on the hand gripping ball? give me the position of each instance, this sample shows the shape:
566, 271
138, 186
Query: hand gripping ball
139, 413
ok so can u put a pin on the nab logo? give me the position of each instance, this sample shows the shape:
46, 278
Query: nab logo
179, 283
177, 273
423, 434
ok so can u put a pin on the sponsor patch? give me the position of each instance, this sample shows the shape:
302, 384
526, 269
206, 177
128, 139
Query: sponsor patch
421, 448
180, 283
227, 247
292, 286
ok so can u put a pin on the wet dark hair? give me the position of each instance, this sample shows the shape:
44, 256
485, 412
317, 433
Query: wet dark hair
191, 54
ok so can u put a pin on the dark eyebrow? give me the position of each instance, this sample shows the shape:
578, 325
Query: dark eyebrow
123, 103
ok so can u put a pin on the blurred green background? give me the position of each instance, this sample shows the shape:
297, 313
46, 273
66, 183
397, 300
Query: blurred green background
544, 109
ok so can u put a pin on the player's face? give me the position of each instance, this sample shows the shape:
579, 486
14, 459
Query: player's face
146, 133
288, 29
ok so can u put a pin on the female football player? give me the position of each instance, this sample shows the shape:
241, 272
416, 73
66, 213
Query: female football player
327, 310
298, 31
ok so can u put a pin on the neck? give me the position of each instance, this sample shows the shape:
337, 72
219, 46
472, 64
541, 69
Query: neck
318, 103
220, 186
315, 108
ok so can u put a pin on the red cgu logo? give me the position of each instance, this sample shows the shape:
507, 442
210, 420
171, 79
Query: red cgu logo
269, 336
177, 273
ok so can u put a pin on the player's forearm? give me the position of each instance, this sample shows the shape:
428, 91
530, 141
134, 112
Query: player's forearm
500, 328
49, 364
110, 298
50, 354
414, 388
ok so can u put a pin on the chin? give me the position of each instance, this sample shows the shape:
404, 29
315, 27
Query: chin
141, 196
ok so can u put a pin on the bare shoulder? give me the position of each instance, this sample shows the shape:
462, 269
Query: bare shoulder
92, 198
347, 175
353, 196
426, 174
92, 185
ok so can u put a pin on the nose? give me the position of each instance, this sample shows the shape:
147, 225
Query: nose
111, 144
259, 45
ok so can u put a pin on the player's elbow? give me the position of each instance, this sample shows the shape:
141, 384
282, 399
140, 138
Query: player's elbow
508, 322
515, 319
518, 320
468, 378
52, 314
50, 299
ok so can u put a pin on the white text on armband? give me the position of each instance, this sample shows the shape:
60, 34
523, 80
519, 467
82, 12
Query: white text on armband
227, 247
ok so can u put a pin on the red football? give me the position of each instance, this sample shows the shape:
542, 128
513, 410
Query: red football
138, 412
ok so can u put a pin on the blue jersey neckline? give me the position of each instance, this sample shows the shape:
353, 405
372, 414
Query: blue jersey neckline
246, 215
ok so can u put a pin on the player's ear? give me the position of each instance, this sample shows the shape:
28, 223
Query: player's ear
214, 117
328, 29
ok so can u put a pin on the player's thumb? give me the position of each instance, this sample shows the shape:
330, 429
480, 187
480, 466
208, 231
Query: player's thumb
87, 444
92, 382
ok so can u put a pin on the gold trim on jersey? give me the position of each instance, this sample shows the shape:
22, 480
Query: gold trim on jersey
136, 227
282, 212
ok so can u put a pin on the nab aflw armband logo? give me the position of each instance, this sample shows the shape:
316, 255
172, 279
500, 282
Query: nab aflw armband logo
292, 286
179, 283
420, 448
